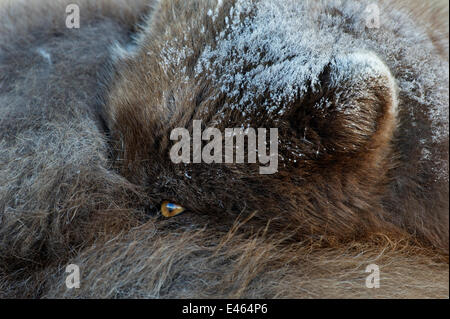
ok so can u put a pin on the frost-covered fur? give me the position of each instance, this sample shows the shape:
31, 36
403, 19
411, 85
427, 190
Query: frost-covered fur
85, 117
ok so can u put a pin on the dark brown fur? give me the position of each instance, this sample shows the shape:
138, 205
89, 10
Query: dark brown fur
344, 192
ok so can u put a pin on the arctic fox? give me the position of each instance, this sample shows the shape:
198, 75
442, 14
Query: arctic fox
357, 90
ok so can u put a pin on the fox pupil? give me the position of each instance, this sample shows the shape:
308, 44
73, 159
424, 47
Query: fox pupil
171, 207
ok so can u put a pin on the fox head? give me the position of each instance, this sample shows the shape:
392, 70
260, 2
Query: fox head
314, 72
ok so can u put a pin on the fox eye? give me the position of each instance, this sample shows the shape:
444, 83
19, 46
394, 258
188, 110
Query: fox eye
169, 209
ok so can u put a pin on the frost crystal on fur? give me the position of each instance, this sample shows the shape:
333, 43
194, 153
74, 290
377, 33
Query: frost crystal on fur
283, 61
281, 48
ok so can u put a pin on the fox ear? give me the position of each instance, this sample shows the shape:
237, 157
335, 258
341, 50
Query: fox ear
354, 109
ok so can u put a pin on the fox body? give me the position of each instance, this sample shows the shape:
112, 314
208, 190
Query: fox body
362, 117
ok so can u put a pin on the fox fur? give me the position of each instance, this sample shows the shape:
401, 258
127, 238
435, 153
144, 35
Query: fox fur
85, 120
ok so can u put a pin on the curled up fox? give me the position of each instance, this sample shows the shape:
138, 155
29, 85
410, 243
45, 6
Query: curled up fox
87, 177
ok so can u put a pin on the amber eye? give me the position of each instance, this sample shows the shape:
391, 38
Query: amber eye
169, 209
